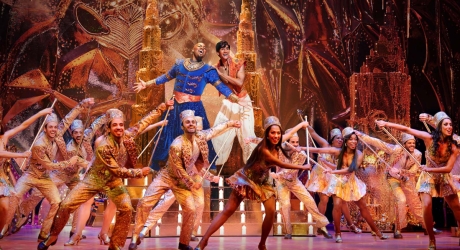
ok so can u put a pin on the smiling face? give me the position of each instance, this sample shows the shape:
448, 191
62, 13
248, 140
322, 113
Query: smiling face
77, 135
274, 134
51, 129
224, 53
337, 142
410, 145
199, 51
446, 127
294, 141
189, 125
117, 128
352, 142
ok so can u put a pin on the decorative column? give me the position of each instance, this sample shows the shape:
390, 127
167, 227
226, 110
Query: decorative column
150, 67
246, 51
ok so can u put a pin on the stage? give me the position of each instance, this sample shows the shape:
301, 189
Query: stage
26, 240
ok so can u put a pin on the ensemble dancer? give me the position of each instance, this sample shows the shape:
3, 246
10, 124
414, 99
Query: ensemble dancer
48, 148
287, 182
115, 150
231, 72
80, 145
85, 209
347, 187
187, 154
319, 181
435, 179
6, 187
192, 75
162, 206
252, 181
401, 178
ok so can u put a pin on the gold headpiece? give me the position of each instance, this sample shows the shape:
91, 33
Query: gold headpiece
199, 123
346, 131
51, 118
334, 132
405, 137
271, 120
438, 117
76, 124
113, 114
186, 113
289, 130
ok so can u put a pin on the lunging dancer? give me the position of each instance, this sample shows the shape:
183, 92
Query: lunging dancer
435, 180
347, 187
252, 181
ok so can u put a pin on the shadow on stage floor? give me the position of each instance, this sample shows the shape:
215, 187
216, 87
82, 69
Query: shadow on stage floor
26, 240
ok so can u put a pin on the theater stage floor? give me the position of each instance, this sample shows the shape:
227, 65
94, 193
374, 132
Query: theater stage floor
26, 240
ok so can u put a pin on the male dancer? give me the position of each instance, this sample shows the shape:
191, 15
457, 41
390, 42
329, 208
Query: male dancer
80, 145
401, 177
231, 72
162, 207
188, 156
191, 75
287, 182
113, 153
44, 153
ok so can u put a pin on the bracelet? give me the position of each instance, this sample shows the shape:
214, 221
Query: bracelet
233, 98
152, 82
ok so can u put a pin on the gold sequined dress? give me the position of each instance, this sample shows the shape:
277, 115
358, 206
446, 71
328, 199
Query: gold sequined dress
438, 184
347, 187
319, 181
252, 181
5, 187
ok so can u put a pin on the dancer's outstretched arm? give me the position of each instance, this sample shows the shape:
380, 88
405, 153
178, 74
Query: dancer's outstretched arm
12, 132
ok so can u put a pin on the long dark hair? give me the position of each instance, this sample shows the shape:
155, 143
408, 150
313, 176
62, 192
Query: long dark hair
354, 163
257, 152
439, 138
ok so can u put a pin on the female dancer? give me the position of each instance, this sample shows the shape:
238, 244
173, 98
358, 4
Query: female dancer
435, 180
6, 189
319, 181
347, 187
251, 181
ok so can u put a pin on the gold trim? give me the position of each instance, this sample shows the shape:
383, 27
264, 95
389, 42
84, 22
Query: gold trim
193, 66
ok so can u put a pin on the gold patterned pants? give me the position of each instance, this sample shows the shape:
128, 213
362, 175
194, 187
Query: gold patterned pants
284, 189
159, 186
86, 190
407, 200
162, 207
47, 188
29, 204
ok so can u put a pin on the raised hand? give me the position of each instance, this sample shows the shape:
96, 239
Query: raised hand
170, 104
423, 117
381, 123
306, 167
88, 102
26, 154
305, 124
46, 111
138, 86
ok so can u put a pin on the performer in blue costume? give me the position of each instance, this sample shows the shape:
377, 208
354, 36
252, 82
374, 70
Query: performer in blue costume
191, 75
